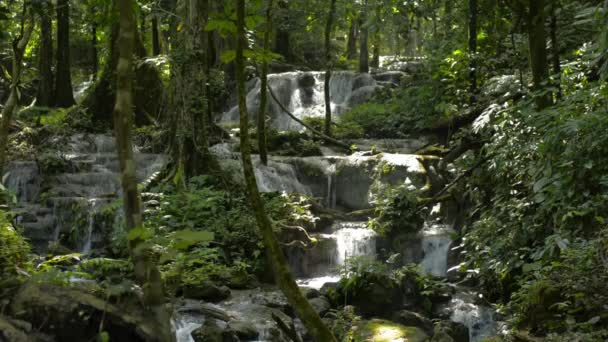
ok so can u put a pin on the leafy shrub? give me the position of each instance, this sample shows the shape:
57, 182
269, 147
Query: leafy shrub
14, 249
396, 211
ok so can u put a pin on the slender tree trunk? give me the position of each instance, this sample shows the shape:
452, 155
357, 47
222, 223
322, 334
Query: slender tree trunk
328, 65
44, 97
473, 50
146, 272
155, 38
537, 41
94, 52
282, 44
264, 90
64, 96
285, 281
557, 70
351, 45
376, 52
19, 45
364, 54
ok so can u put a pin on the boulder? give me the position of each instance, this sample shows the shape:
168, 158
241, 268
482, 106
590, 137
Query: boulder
377, 330
393, 77
414, 319
206, 290
211, 331
306, 80
447, 331
311, 293
363, 80
321, 305
362, 95
73, 314
245, 331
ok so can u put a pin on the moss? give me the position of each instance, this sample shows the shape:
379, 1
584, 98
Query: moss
378, 330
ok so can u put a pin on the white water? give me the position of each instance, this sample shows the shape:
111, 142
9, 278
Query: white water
308, 100
184, 326
436, 243
478, 318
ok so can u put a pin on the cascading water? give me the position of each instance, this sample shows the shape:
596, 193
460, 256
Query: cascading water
86, 179
478, 318
302, 93
436, 243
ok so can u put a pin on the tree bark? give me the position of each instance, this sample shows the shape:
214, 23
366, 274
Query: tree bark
282, 45
155, 38
557, 70
44, 97
94, 51
284, 279
364, 54
351, 45
537, 42
19, 45
146, 272
64, 96
328, 66
262, 143
473, 50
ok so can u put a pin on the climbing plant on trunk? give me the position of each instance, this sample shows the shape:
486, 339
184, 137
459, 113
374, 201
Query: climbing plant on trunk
146, 272
283, 276
19, 45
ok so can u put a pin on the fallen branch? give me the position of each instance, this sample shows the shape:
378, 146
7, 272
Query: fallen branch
310, 128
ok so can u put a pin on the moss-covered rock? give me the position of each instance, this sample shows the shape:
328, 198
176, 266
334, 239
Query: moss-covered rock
378, 330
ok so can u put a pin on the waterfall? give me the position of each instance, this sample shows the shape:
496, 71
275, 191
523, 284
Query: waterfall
478, 318
185, 325
436, 242
303, 94
93, 209
354, 240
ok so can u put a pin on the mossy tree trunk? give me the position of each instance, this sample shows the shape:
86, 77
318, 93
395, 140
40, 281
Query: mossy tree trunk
537, 41
284, 279
262, 143
19, 45
557, 70
190, 123
146, 272
64, 95
155, 37
328, 66
363, 44
44, 96
353, 33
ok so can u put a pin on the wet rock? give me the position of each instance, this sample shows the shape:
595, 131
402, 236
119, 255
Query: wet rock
447, 331
310, 293
206, 290
363, 80
321, 305
71, 314
306, 80
377, 330
414, 319
327, 287
393, 77
211, 331
244, 330
362, 95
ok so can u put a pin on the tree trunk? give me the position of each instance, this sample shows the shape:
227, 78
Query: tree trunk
262, 143
284, 279
190, 124
557, 70
328, 66
537, 41
364, 54
282, 44
155, 38
473, 50
44, 98
376, 51
64, 96
353, 33
146, 272
94, 52
19, 45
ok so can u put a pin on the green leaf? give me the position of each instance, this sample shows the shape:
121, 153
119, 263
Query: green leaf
139, 234
186, 238
535, 266
228, 56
